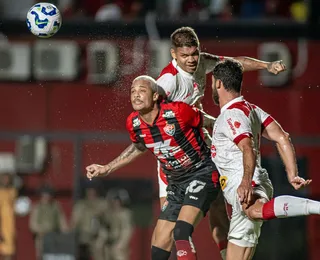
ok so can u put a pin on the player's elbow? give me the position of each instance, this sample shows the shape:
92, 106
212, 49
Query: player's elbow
284, 138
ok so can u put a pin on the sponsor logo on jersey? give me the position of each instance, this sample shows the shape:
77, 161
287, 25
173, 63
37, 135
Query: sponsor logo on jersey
231, 126
237, 124
168, 114
143, 135
170, 129
136, 122
213, 151
223, 182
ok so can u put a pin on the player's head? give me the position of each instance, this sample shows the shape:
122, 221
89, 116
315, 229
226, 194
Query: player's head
226, 78
144, 94
185, 48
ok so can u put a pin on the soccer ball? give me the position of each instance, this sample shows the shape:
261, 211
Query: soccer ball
44, 20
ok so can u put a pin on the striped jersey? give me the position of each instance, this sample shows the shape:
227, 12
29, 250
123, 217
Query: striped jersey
175, 138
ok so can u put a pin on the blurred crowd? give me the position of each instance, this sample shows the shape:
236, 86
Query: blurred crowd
100, 228
128, 10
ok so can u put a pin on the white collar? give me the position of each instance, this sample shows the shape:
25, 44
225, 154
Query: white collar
235, 100
184, 73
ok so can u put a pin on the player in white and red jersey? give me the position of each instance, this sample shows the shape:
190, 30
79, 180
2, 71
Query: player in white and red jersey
236, 152
184, 79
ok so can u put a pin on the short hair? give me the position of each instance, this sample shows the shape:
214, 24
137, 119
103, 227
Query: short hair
153, 83
230, 72
184, 37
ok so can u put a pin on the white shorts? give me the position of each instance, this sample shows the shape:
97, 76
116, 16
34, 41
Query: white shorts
243, 231
162, 182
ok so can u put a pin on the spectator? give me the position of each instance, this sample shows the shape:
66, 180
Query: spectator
117, 226
7, 217
85, 222
46, 217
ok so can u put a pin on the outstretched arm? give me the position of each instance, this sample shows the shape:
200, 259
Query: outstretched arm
131, 153
249, 64
274, 132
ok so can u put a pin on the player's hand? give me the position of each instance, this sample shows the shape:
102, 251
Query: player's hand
95, 170
298, 182
276, 67
245, 192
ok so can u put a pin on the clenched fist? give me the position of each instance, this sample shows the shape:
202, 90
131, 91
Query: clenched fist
95, 170
276, 67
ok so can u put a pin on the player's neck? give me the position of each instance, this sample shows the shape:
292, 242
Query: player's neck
150, 116
227, 98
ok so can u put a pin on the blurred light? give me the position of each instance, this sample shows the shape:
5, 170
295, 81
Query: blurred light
103, 62
31, 154
56, 60
15, 60
22, 206
274, 51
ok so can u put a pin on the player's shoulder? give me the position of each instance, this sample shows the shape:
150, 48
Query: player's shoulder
134, 116
169, 72
176, 106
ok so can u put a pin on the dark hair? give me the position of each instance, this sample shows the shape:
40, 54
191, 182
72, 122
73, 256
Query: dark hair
184, 37
230, 73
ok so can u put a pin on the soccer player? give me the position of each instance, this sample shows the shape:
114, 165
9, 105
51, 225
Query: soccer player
184, 79
173, 133
236, 152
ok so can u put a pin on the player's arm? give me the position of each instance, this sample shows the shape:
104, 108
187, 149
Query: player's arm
245, 191
131, 153
275, 133
248, 63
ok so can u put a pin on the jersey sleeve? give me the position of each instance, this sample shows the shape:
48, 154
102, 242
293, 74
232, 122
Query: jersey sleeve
210, 61
129, 127
190, 114
236, 125
167, 84
264, 117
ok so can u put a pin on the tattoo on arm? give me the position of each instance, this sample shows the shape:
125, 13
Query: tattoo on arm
128, 155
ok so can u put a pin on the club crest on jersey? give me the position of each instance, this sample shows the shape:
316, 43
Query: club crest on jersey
170, 129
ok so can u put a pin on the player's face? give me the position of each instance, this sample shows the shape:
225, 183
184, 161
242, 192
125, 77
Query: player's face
142, 98
215, 94
186, 57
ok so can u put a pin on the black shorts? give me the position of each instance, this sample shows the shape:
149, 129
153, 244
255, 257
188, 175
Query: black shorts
198, 192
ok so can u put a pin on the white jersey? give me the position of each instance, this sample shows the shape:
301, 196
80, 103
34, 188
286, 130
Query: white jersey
238, 119
179, 85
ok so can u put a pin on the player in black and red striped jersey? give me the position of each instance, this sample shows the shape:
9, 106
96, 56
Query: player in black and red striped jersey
173, 133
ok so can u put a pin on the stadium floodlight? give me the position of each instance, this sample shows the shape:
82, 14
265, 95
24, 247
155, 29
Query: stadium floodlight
56, 60
15, 60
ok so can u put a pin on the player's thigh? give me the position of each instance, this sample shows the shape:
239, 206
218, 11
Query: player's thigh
218, 216
199, 195
236, 252
162, 183
163, 234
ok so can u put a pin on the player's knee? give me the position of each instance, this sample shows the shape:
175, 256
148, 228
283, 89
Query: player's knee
159, 253
182, 230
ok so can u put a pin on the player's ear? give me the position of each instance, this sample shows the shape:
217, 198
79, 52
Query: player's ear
173, 53
155, 96
219, 84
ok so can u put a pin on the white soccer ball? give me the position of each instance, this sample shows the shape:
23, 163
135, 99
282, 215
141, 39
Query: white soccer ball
44, 20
